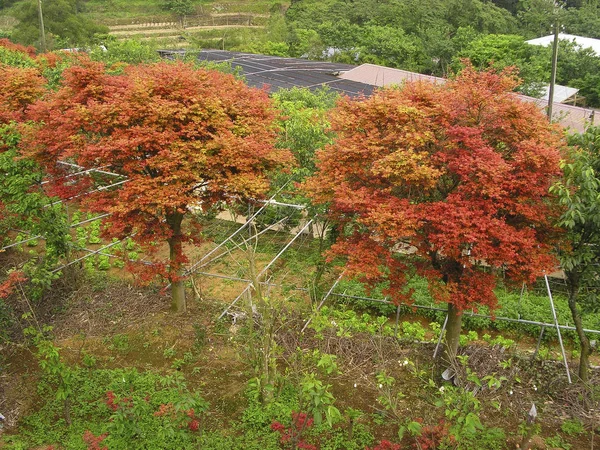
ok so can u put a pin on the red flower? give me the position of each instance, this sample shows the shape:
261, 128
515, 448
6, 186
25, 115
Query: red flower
277, 426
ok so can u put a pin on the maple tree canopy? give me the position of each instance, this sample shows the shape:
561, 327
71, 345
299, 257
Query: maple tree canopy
19, 88
182, 136
458, 174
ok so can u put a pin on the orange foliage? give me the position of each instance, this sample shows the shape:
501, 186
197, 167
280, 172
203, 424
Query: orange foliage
458, 171
19, 88
29, 50
182, 137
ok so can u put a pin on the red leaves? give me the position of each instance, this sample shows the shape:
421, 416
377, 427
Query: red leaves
386, 445
10, 284
182, 137
29, 50
94, 442
110, 401
291, 437
458, 172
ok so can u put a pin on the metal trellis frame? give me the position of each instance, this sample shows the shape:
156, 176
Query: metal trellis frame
268, 266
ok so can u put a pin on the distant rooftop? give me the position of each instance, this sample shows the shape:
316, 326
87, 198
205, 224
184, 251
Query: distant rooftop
583, 42
284, 73
561, 93
385, 76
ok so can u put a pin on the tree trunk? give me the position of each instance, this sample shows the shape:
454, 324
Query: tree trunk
178, 303
573, 281
452, 339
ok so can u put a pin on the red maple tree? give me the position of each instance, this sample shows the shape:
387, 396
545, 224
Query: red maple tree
19, 88
182, 137
451, 180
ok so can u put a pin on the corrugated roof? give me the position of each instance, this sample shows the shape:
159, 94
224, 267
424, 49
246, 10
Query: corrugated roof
583, 42
561, 93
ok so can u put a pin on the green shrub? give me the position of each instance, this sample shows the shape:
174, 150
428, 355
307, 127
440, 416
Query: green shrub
150, 409
572, 427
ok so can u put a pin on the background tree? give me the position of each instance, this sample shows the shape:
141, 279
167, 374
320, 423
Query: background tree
502, 50
584, 21
65, 25
130, 51
180, 8
579, 192
182, 137
304, 129
458, 173
536, 17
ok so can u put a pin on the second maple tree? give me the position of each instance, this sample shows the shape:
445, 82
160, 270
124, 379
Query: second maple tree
450, 180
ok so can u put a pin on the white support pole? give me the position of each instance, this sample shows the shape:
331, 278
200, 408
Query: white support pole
83, 194
101, 216
239, 230
323, 301
439, 341
95, 252
93, 169
562, 347
244, 241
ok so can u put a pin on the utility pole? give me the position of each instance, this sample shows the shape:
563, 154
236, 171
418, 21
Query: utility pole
42, 31
554, 63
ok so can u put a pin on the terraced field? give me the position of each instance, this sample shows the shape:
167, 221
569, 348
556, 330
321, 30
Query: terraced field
146, 20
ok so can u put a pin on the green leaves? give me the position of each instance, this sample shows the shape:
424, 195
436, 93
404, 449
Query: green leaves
318, 400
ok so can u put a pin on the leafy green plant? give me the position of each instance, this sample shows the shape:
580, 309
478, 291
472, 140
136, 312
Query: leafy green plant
125, 405
133, 256
389, 396
413, 331
326, 362
88, 360
572, 427
200, 337
119, 342
54, 368
103, 262
318, 401
169, 352
461, 410
177, 364
557, 441
353, 415
94, 232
